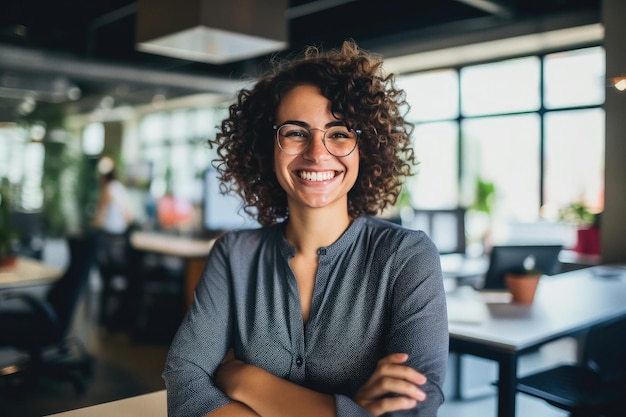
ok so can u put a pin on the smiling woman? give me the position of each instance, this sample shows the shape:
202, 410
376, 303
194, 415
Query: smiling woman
314, 176
325, 310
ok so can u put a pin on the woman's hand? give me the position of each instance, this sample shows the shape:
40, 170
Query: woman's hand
265, 394
393, 386
226, 380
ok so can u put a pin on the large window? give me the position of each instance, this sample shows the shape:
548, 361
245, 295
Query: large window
434, 100
533, 127
501, 87
21, 164
505, 151
436, 185
174, 144
574, 151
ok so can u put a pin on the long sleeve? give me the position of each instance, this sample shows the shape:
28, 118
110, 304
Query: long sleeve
419, 324
200, 344
345, 407
378, 291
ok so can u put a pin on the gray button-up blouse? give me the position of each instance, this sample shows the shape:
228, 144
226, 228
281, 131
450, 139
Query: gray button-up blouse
378, 290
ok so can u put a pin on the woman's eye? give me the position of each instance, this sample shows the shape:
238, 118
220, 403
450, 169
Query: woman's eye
298, 134
339, 134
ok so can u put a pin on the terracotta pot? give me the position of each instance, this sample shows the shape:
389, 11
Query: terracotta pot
8, 261
522, 287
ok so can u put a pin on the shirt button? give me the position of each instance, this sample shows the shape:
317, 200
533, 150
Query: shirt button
299, 361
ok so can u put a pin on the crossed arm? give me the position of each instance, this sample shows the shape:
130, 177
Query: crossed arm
257, 392
198, 378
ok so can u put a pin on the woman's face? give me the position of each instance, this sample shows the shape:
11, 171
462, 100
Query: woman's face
315, 178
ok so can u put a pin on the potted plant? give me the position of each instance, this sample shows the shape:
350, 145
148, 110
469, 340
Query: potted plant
587, 224
478, 217
8, 234
522, 283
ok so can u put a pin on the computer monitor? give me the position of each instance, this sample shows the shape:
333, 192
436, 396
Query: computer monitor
505, 259
223, 212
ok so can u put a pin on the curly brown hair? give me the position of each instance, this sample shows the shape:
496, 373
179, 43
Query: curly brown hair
353, 81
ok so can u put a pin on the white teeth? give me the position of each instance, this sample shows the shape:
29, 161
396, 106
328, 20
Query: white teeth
317, 176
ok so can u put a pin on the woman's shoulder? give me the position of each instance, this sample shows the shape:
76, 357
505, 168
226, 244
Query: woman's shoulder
247, 238
381, 225
396, 236
406, 249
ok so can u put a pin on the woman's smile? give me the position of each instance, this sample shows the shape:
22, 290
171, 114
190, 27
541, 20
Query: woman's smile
317, 176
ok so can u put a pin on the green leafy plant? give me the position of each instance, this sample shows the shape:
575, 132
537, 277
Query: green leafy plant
8, 234
484, 196
577, 213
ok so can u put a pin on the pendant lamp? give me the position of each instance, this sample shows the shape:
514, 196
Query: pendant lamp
212, 31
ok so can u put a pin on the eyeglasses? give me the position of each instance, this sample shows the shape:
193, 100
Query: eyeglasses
293, 139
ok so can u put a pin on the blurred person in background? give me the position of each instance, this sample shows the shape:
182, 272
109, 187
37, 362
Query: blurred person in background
112, 223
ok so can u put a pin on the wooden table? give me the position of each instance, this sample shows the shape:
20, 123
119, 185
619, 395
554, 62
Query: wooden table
147, 405
193, 251
565, 304
28, 272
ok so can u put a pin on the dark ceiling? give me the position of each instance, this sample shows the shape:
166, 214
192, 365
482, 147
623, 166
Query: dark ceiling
47, 47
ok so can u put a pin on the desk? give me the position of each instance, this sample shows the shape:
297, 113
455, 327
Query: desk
194, 251
460, 267
571, 260
152, 405
28, 272
565, 304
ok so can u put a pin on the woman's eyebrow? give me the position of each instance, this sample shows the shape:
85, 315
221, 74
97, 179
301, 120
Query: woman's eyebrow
305, 124
296, 122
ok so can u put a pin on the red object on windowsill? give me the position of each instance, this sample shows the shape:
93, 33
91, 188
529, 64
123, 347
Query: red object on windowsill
588, 241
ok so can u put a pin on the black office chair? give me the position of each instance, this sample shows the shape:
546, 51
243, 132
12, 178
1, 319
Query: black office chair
596, 386
30, 230
40, 327
114, 259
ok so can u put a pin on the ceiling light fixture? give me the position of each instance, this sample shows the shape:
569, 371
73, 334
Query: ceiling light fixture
213, 31
618, 82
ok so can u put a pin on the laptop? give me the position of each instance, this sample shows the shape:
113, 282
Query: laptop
511, 258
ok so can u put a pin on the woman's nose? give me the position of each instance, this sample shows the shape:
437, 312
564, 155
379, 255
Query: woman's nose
316, 150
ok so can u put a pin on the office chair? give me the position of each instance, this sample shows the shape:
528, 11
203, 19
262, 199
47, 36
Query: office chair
503, 259
594, 387
114, 257
39, 327
30, 229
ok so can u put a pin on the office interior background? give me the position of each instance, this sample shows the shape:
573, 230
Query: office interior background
517, 113
511, 95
